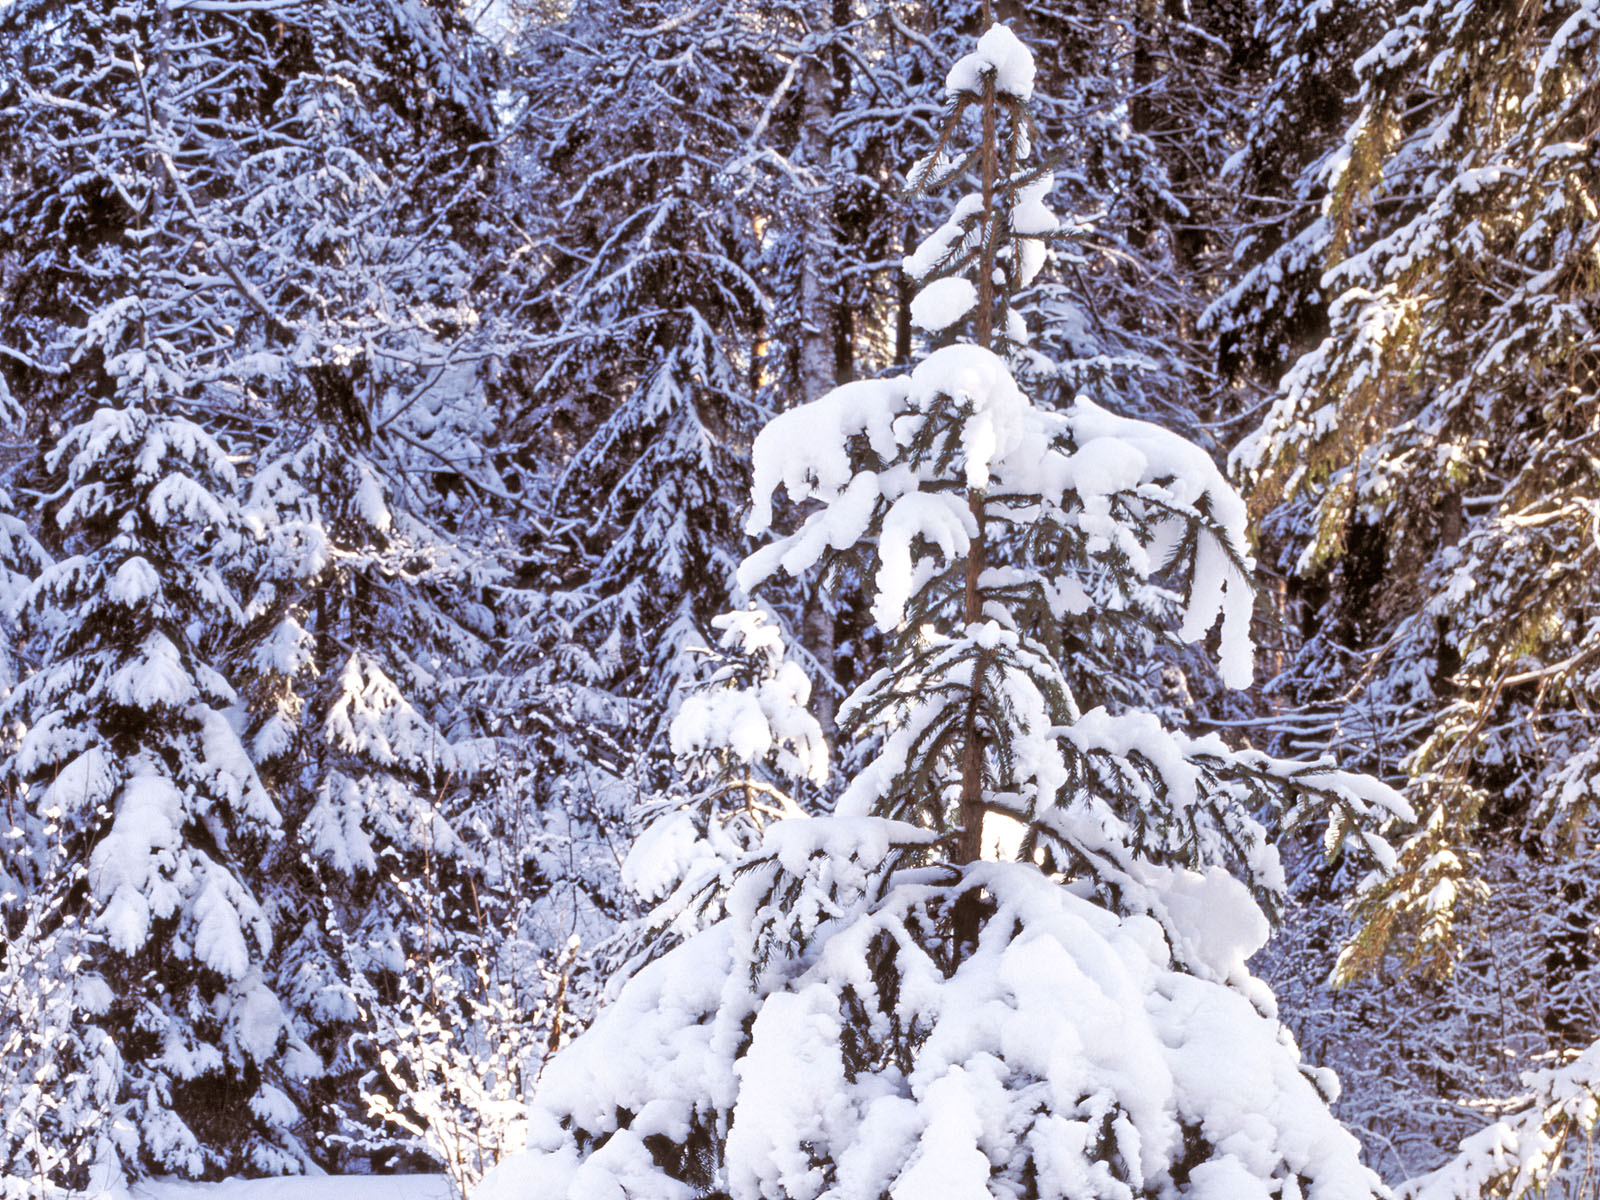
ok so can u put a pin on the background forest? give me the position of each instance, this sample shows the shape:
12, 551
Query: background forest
379, 382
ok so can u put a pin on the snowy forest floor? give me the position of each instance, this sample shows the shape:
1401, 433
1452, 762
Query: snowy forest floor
300, 1187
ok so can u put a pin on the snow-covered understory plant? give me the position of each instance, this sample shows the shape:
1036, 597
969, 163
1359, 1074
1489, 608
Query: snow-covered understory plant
1527, 1151
58, 1070
459, 1048
886, 1010
742, 740
491, 975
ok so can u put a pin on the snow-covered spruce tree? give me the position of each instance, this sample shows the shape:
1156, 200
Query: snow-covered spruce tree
702, 262
390, 701
1430, 452
644, 307
269, 214
119, 335
1433, 493
1303, 96
128, 746
1013, 963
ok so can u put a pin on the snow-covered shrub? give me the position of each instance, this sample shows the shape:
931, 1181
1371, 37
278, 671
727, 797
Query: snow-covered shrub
482, 967
1013, 962
751, 710
459, 1044
742, 739
59, 1071
826, 1041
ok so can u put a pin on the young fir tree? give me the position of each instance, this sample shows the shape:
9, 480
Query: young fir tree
1013, 962
390, 705
745, 742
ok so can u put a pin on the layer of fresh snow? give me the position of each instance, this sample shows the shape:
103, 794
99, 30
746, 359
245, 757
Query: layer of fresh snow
299, 1187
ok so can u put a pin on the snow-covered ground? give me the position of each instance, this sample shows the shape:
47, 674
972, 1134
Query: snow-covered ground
301, 1187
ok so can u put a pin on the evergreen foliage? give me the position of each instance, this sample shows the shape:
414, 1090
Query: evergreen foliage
382, 383
242, 310
855, 1024
1305, 96
1427, 462
641, 252
1432, 434
1142, 109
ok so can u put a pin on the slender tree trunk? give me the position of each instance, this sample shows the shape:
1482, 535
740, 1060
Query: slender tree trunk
816, 333
970, 847
905, 292
817, 355
968, 913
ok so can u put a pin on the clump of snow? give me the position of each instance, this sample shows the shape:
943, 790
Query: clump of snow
942, 303
945, 243
127, 870
668, 851
731, 719
1032, 221
1001, 53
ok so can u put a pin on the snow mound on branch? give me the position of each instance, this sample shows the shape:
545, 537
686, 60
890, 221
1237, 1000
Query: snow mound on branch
999, 51
942, 303
1063, 1053
1108, 476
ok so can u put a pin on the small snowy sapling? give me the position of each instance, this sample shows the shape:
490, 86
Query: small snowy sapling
1013, 962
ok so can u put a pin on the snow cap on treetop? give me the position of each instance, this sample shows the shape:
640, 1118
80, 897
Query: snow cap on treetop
1001, 52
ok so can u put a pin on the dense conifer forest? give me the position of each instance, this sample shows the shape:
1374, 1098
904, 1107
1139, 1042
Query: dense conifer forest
801, 599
